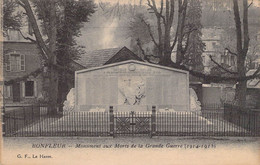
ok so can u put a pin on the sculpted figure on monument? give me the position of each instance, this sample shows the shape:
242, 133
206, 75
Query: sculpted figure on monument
132, 89
195, 104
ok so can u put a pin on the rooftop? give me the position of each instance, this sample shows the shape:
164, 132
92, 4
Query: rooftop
97, 57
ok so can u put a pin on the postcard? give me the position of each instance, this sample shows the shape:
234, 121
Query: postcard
159, 82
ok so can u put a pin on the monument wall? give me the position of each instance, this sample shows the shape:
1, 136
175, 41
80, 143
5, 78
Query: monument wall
132, 86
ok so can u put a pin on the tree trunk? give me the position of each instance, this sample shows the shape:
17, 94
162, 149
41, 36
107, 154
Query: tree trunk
240, 95
241, 87
167, 46
53, 89
48, 54
65, 85
181, 24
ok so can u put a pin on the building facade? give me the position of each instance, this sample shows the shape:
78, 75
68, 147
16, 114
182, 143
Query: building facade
20, 60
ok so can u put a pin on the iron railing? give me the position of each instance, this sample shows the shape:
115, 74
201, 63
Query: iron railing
35, 121
245, 118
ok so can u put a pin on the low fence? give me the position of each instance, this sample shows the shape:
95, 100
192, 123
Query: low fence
31, 121
248, 119
35, 121
17, 117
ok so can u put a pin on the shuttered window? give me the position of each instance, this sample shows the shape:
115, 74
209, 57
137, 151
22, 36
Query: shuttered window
22, 62
15, 62
7, 62
7, 91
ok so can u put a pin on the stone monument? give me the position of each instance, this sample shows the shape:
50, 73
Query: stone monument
132, 86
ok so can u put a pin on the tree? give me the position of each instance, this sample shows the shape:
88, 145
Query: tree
182, 41
58, 18
240, 48
193, 56
186, 29
48, 50
242, 41
139, 34
70, 23
70, 20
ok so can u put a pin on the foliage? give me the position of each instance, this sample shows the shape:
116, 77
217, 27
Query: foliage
138, 29
61, 21
11, 18
70, 18
193, 56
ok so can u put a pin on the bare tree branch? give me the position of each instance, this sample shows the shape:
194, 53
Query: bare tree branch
140, 47
167, 11
189, 32
20, 3
221, 67
245, 29
150, 32
250, 4
229, 51
212, 78
154, 8
172, 4
101, 6
178, 26
175, 40
161, 10
36, 30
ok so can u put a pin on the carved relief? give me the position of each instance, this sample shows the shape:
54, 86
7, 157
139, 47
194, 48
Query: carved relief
131, 90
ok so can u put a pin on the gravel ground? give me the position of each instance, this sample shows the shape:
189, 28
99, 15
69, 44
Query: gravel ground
129, 150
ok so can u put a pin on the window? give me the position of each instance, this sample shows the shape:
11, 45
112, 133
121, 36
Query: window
7, 62
204, 60
225, 60
214, 44
232, 61
222, 59
15, 62
22, 62
29, 88
7, 91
